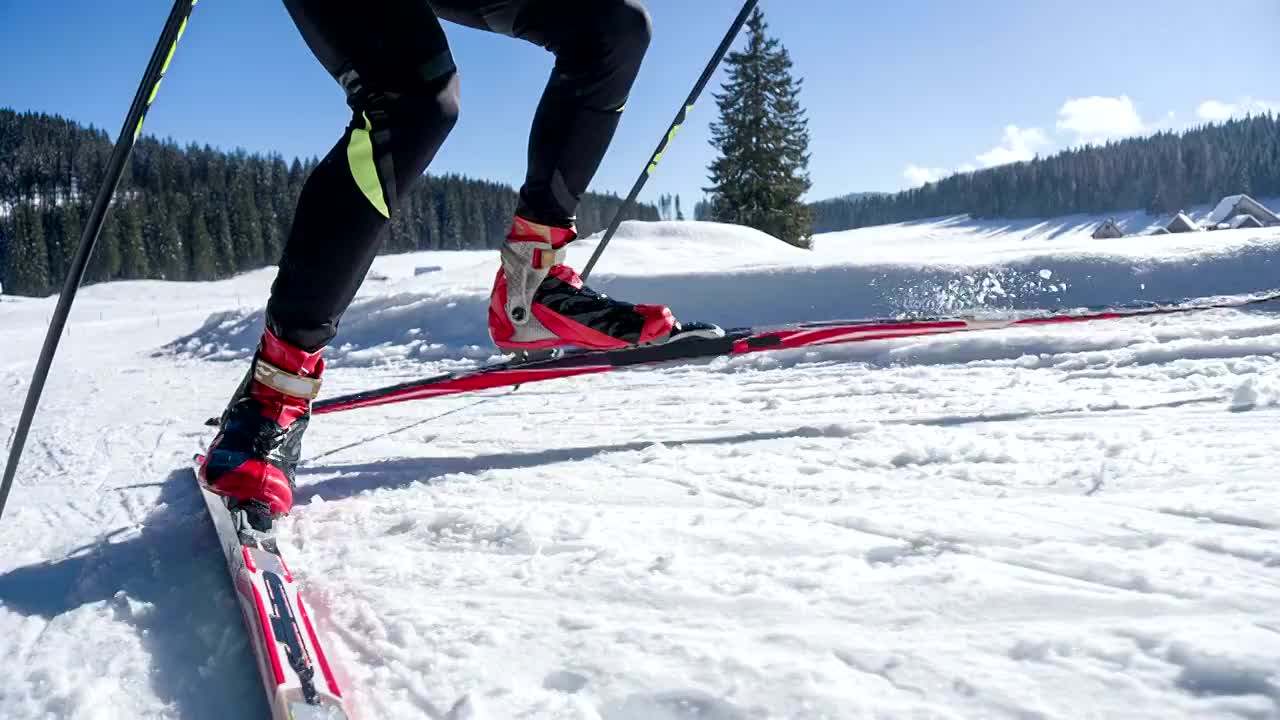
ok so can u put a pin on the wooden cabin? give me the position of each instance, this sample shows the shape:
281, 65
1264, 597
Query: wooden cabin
1108, 230
1181, 223
1234, 206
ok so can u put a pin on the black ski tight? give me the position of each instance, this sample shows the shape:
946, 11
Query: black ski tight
392, 60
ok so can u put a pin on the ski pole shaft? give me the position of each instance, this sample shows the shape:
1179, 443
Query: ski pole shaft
150, 85
670, 134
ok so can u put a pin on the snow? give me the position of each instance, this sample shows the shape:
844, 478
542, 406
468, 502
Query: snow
1257, 391
1057, 522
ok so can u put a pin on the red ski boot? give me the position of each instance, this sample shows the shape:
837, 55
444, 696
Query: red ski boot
259, 440
539, 303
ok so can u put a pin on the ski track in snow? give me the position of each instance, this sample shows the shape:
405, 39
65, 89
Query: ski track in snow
1066, 522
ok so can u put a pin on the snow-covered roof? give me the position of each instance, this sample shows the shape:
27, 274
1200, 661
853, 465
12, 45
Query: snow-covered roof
1244, 219
1108, 229
1228, 205
1222, 209
1181, 220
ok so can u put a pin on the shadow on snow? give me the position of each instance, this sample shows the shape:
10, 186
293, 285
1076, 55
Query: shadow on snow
201, 663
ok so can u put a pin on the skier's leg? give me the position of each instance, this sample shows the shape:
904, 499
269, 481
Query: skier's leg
598, 46
393, 62
537, 301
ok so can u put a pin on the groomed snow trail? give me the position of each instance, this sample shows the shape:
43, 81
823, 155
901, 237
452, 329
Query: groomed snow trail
1076, 522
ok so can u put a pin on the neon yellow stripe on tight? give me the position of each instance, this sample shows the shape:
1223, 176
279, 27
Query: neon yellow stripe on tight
363, 167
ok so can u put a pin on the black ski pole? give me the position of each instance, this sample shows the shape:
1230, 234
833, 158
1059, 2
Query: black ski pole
729, 37
160, 58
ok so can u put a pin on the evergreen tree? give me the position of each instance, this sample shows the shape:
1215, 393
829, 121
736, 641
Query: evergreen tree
246, 225
28, 271
54, 243
702, 210
476, 229
679, 212
451, 230
270, 176
168, 253
223, 246
664, 206
428, 209
194, 212
1161, 174
204, 259
763, 140
134, 261
72, 226
6, 232
106, 261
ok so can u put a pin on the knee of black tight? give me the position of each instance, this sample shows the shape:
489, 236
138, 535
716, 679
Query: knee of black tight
447, 101
412, 124
624, 28
428, 110
627, 26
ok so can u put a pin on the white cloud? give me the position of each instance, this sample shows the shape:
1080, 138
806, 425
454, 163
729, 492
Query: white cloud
1091, 120
1214, 110
1217, 111
917, 175
1097, 119
1018, 144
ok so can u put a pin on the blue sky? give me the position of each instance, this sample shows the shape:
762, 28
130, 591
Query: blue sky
896, 92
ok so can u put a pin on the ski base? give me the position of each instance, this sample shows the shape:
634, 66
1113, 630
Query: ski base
295, 672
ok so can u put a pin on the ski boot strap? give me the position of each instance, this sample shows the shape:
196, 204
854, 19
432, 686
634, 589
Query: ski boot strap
298, 386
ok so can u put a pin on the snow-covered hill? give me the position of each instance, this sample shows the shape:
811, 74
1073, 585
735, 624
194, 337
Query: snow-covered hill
1070, 522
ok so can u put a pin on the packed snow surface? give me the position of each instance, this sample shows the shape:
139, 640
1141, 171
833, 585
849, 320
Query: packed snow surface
1057, 522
